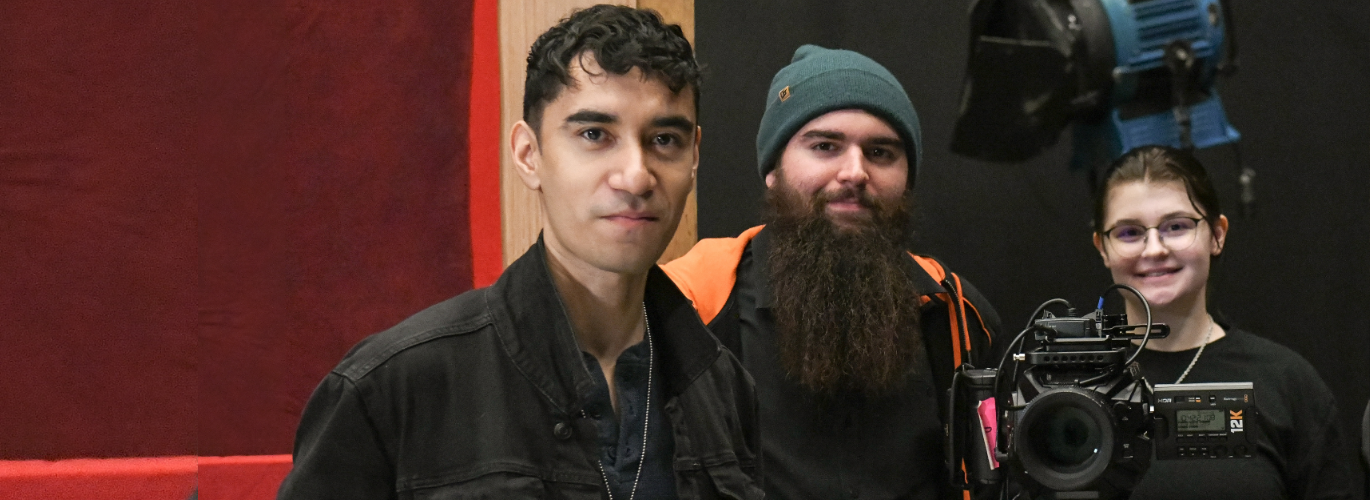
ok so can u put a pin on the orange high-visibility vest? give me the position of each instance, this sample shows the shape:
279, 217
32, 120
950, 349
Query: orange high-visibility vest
707, 273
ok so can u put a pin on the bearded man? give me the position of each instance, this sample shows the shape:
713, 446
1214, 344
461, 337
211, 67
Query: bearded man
851, 339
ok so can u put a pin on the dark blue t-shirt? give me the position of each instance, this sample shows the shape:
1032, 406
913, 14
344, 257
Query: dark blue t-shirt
620, 437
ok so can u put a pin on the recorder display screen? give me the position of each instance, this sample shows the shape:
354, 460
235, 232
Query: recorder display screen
1200, 421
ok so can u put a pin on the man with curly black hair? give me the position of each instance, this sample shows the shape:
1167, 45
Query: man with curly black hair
583, 372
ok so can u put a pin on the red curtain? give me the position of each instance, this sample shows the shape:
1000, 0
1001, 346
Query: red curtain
203, 205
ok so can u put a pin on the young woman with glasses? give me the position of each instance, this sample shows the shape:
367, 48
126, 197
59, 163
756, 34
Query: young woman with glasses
1159, 228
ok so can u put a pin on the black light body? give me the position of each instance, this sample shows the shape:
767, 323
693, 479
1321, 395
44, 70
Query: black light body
1123, 73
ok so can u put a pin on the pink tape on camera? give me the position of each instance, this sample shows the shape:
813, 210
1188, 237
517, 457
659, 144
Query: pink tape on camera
989, 425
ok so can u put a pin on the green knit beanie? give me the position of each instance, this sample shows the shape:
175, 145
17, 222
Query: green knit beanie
820, 80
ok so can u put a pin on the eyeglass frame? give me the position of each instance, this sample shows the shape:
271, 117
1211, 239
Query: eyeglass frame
1146, 234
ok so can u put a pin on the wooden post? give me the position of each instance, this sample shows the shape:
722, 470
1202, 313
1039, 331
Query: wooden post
680, 12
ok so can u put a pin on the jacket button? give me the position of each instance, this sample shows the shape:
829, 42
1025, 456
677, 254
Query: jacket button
562, 431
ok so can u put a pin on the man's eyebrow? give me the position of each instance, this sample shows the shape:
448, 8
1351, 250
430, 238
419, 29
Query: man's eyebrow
587, 116
838, 136
887, 141
678, 122
824, 134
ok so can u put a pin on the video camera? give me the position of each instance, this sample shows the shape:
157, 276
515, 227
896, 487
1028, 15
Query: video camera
1082, 421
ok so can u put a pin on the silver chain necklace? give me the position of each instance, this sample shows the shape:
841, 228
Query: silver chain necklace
1196, 355
646, 415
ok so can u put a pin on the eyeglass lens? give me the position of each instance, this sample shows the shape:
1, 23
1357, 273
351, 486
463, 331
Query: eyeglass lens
1176, 234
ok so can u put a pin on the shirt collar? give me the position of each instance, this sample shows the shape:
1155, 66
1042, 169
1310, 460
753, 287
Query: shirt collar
540, 341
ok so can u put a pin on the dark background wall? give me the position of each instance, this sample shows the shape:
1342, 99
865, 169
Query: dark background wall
1295, 272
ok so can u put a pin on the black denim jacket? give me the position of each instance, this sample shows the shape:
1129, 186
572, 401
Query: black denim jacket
480, 396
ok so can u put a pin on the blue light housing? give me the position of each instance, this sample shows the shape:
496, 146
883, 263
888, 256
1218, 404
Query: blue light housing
1121, 73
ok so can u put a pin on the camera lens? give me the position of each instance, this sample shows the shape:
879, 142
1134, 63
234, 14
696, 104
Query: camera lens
1067, 437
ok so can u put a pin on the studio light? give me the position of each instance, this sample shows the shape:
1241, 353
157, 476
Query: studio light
1121, 73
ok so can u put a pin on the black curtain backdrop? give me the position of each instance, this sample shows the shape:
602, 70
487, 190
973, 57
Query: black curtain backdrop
1296, 272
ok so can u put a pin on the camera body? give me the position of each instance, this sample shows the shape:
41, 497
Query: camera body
1081, 421
1080, 418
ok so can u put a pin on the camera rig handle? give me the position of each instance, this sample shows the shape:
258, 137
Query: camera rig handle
971, 443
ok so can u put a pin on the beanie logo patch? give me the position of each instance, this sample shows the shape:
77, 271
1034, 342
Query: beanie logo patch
784, 93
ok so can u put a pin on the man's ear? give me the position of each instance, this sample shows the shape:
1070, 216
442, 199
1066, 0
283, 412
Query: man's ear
699, 135
770, 179
523, 143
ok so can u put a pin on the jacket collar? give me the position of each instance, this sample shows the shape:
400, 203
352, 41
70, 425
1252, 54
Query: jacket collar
760, 250
533, 326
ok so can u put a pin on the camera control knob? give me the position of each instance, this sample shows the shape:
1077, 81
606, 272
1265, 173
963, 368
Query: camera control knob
1123, 411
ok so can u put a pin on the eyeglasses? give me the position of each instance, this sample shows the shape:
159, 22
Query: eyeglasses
1176, 234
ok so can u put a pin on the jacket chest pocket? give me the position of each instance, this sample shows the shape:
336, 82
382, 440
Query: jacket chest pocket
728, 480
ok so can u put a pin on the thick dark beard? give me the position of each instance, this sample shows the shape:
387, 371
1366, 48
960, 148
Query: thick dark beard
846, 313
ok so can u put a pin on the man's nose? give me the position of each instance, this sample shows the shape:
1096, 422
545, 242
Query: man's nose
633, 174
854, 167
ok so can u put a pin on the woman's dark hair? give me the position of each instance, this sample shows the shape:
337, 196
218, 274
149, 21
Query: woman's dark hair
620, 39
1160, 164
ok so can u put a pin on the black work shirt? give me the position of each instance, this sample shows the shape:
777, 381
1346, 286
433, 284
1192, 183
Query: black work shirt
620, 437
1301, 450
849, 446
